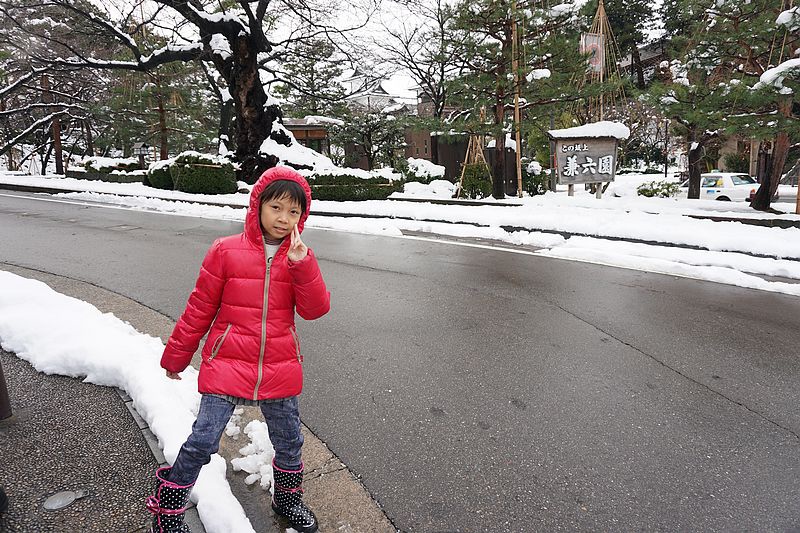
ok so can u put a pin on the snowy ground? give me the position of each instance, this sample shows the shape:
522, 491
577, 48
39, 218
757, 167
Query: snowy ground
730, 252
100, 347
61, 335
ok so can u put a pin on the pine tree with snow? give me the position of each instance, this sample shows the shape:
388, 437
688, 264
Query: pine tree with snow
243, 40
548, 65
377, 137
721, 86
308, 80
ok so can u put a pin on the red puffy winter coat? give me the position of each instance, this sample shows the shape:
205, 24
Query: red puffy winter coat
252, 350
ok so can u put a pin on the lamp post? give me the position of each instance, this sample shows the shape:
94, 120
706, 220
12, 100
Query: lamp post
141, 149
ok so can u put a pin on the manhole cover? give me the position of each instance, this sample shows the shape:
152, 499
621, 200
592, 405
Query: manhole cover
60, 500
124, 227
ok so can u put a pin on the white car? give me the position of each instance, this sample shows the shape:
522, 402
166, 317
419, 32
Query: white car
725, 186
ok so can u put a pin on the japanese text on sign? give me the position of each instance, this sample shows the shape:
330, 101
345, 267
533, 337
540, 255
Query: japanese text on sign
586, 160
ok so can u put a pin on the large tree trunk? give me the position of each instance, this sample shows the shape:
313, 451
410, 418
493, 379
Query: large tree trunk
89, 139
163, 137
636, 64
10, 153
254, 117
434, 140
694, 166
771, 179
498, 166
47, 97
58, 152
225, 117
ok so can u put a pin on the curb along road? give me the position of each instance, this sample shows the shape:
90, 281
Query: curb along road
770, 223
340, 501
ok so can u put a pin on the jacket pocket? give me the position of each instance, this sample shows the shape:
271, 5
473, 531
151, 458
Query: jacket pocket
218, 343
293, 331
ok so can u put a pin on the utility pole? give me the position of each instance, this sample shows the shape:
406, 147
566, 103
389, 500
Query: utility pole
666, 147
5, 403
515, 67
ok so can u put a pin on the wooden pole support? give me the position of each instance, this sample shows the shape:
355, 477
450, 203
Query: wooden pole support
5, 402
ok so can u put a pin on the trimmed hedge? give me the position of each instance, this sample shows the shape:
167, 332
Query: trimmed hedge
159, 176
658, 189
195, 173
410, 175
113, 177
346, 187
105, 165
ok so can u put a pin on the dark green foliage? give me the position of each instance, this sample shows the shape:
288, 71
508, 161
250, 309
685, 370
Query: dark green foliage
375, 136
737, 163
411, 176
659, 189
533, 184
93, 165
477, 183
113, 177
160, 177
171, 105
194, 173
313, 68
722, 50
351, 188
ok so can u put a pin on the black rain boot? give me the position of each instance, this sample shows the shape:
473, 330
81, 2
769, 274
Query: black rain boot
287, 500
168, 504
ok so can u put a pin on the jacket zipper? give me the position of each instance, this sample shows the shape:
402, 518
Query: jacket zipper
263, 322
293, 331
218, 344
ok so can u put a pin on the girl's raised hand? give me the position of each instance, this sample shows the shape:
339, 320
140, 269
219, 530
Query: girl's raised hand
297, 249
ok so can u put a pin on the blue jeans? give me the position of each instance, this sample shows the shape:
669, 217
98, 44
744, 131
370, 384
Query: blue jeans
283, 421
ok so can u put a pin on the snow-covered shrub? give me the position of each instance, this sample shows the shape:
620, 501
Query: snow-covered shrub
534, 180
423, 171
477, 181
198, 173
159, 176
345, 187
435, 189
659, 189
107, 164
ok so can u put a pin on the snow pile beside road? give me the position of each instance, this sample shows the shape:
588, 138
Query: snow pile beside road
62, 335
436, 189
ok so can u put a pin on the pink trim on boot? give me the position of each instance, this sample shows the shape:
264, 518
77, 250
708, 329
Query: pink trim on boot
167, 482
153, 503
302, 465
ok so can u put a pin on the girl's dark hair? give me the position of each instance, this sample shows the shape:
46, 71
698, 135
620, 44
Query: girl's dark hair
281, 188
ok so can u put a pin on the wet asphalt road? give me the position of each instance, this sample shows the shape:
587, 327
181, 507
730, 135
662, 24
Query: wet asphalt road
480, 390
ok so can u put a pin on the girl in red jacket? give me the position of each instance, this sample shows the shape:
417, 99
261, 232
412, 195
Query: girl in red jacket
248, 289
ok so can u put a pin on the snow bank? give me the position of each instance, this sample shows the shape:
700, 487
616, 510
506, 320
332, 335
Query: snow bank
442, 189
62, 335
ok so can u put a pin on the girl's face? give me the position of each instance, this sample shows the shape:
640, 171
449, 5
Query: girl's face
279, 216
